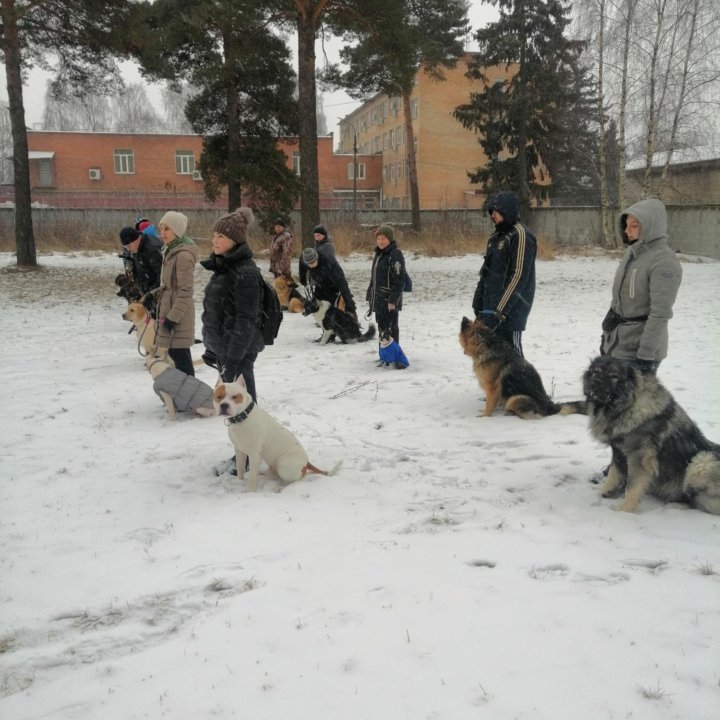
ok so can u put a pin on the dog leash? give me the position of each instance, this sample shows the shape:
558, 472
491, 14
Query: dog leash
140, 337
241, 415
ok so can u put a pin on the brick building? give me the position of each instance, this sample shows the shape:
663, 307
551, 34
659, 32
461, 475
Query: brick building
155, 171
445, 151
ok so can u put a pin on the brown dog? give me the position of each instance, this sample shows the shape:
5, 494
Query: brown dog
145, 325
507, 379
288, 295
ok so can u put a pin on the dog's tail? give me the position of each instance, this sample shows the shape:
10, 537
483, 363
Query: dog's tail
368, 335
310, 468
529, 408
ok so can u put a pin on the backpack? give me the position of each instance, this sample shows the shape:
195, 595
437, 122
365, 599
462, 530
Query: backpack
272, 314
407, 283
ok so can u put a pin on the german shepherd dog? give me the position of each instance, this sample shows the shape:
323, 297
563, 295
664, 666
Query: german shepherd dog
337, 323
656, 447
288, 294
507, 379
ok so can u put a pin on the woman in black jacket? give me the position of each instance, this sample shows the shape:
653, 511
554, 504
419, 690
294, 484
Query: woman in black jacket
387, 279
232, 305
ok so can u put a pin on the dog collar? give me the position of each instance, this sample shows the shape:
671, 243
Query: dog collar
241, 415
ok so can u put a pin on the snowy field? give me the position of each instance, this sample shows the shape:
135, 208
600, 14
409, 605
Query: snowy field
457, 566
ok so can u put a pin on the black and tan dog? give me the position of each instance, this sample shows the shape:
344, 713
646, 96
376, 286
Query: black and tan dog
656, 447
337, 323
508, 380
288, 294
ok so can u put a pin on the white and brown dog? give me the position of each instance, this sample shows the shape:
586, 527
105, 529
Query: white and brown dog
256, 436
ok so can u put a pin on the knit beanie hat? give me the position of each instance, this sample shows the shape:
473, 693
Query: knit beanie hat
320, 229
128, 235
234, 225
280, 221
176, 221
387, 231
309, 255
141, 223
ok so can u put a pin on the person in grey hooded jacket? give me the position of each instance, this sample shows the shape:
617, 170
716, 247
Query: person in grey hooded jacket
644, 290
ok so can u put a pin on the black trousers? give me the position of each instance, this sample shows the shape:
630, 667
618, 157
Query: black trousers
390, 322
514, 337
182, 359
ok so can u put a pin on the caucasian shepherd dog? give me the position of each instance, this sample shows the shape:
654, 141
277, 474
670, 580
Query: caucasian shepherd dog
507, 379
656, 447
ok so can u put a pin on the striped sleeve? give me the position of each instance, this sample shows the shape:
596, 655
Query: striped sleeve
519, 266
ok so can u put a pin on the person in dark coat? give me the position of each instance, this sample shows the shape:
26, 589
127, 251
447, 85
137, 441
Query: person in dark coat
325, 280
324, 246
145, 255
504, 294
387, 279
233, 301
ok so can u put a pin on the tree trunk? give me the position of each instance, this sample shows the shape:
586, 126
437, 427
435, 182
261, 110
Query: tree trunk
523, 184
309, 192
24, 236
412, 163
233, 122
606, 225
622, 201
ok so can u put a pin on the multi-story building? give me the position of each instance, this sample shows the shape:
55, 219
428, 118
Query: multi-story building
445, 151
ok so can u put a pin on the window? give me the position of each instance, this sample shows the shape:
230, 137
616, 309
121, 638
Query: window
296, 163
184, 162
413, 108
385, 141
124, 162
398, 134
391, 138
45, 172
360, 171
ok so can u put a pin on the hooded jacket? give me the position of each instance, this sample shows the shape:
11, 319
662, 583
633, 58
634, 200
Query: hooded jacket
175, 294
645, 287
327, 282
232, 306
147, 262
387, 279
507, 277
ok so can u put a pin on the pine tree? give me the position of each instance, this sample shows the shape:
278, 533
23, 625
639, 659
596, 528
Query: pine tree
535, 127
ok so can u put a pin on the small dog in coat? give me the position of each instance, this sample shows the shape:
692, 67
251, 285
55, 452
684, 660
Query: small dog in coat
178, 390
337, 323
256, 436
391, 353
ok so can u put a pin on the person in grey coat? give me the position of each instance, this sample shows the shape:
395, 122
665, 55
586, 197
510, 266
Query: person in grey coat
644, 290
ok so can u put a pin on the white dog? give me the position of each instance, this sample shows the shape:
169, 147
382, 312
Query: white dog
258, 436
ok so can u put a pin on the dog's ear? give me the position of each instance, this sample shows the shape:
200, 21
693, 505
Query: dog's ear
241, 380
464, 324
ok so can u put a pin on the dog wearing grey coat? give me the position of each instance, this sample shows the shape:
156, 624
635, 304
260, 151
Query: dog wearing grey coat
180, 392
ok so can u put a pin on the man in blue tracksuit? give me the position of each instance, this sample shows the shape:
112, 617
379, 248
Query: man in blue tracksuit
504, 294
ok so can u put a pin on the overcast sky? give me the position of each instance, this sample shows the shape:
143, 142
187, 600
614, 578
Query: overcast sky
337, 104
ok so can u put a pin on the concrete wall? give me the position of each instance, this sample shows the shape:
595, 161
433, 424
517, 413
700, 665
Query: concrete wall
692, 230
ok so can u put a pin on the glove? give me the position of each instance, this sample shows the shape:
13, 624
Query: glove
169, 324
148, 301
210, 359
645, 367
489, 318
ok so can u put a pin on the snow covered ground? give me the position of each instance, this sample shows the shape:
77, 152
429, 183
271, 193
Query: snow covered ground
457, 566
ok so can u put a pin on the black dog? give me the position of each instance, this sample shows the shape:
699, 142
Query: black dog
128, 288
336, 322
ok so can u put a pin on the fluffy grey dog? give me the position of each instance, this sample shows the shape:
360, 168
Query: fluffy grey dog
656, 447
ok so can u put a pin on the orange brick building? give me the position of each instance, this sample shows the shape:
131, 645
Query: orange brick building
445, 151
114, 170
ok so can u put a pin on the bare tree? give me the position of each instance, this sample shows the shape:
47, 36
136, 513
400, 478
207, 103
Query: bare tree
133, 111
6, 175
88, 111
174, 102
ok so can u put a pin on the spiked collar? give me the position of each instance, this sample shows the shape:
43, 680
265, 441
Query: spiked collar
241, 415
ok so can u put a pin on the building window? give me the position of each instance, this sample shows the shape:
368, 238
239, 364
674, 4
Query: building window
413, 108
391, 138
45, 172
124, 162
296, 163
360, 171
398, 134
184, 162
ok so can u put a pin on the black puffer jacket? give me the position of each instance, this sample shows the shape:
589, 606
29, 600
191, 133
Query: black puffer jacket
232, 307
147, 262
327, 282
507, 277
387, 279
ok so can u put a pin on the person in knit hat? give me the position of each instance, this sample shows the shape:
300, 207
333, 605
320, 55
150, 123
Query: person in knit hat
281, 250
232, 302
385, 291
144, 253
172, 302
